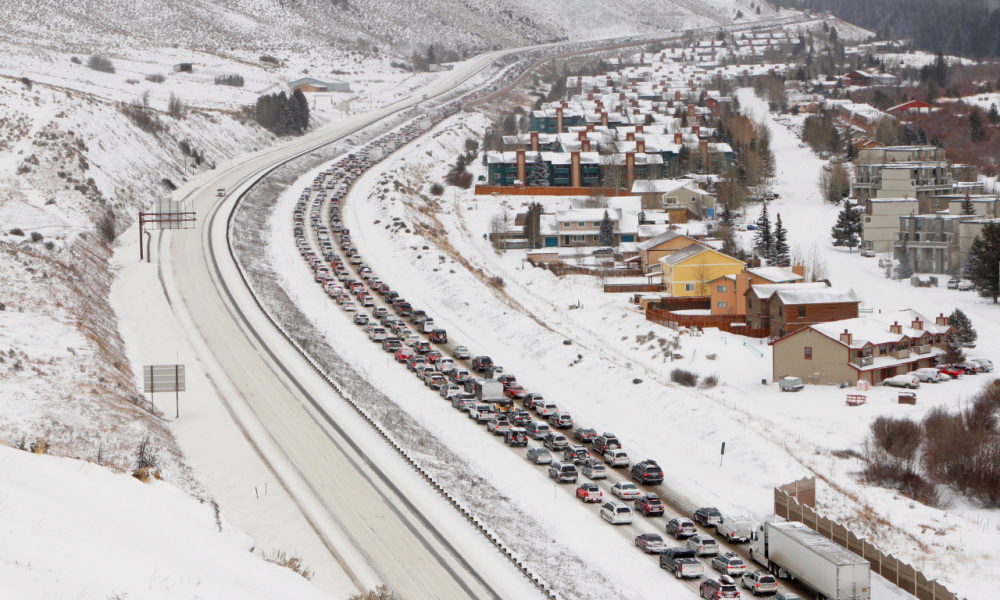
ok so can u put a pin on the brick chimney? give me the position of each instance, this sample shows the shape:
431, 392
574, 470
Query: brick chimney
638, 128
799, 270
895, 328
690, 110
678, 138
941, 320
604, 119
640, 146
590, 127
846, 337
590, 97
534, 141
559, 120
635, 111
703, 148
621, 95
581, 135
575, 171
521, 166
677, 95
917, 324
696, 129
585, 145
630, 137
630, 168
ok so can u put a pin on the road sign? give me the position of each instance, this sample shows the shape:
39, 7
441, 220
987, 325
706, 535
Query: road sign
164, 378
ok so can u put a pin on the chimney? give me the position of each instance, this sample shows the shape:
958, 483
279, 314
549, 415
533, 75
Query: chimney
630, 168
590, 97
534, 141
604, 119
690, 110
678, 138
677, 95
635, 111
621, 95
941, 320
630, 137
590, 127
696, 129
638, 128
585, 145
521, 166
917, 324
640, 146
703, 148
581, 135
846, 337
895, 328
574, 173
799, 270
559, 120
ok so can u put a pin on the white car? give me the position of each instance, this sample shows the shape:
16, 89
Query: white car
616, 513
929, 375
616, 457
626, 490
904, 381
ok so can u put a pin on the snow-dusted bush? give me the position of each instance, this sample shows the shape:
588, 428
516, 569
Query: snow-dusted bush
100, 63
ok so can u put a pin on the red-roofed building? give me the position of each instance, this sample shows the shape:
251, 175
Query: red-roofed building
913, 107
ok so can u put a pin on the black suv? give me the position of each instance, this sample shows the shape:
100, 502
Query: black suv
605, 441
481, 363
647, 471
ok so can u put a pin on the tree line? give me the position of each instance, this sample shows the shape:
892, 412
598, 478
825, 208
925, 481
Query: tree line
282, 114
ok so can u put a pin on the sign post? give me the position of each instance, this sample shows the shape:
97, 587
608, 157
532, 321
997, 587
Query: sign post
722, 453
164, 378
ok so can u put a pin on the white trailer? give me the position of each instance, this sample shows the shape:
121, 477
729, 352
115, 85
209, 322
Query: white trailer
793, 550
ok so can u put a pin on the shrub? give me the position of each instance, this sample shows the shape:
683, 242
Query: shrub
710, 381
36, 236
156, 77
232, 80
898, 437
266, 58
50, 246
497, 282
75, 60
379, 593
168, 184
294, 563
106, 228
100, 63
16, 231
684, 378
437, 189
26, 82
176, 107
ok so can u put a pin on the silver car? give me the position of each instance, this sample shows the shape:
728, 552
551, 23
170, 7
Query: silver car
759, 582
539, 456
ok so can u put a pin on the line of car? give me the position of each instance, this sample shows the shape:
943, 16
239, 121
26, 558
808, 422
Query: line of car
913, 379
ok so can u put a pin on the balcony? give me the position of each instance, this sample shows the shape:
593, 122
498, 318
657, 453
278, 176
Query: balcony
900, 354
925, 349
862, 361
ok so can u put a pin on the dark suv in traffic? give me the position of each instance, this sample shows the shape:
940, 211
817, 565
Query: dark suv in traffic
647, 471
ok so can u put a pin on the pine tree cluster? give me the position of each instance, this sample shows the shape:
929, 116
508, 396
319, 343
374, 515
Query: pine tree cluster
983, 264
283, 115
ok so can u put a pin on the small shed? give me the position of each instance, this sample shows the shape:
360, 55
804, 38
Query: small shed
184, 67
311, 84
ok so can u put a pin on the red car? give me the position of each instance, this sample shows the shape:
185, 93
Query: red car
589, 492
952, 371
403, 354
649, 505
433, 356
514, 391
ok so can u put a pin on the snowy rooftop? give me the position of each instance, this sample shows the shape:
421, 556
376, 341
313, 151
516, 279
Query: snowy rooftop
766, 291
875, 328
776, 274
663, 186
825, 295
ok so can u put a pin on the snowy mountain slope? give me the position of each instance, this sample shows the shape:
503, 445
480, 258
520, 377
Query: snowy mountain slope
226, 25
75, 530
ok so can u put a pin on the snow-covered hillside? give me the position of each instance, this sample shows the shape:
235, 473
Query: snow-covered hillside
226, 26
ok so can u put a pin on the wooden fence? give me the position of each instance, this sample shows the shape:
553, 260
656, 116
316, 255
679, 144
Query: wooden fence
898, 573
560, 269
528, 190
731, 323
614, 288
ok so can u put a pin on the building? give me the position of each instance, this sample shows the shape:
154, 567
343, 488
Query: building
688, 271
913, 107
729, 293
870, 348
653, 249
581, 226
932, 242
310, 84
795, 308
682, 199
575, 169
881, 221
184, 67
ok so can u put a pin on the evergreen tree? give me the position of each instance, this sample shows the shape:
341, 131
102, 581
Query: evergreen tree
300, 110
977, 131
967, 207
431, 58
964, 331
952, 350
606, 234
539, 173
984, 262
993, 116
764, 238
904, 268
532, 225
727, 216
922, 136
781, 256
847, 230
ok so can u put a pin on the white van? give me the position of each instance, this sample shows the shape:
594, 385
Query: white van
427, 326
735, 529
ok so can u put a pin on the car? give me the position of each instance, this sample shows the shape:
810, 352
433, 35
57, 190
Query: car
555, 441
537, 430
649, 505
498, 425
350, 306
460, 352
717, 589
605, 441
480, 363
707, 516
435, 381
561, 420
584, 435
481, 412
589, 492
647, 472
515, 436
951, 371
985, 364
422, 347
703, 545
681, 528
539, 456
433, 356
729, 564
514, 391
965, 285
463, 402
507, 379
759, 582
682, 562
576, 454
360, 318
563, 472
546, 408
868, 252
594, 469
929, 375
952, 283
970, 367
519, 417
616, 457
787, 596
450, 389
616, 513
904, 381
650, 543
626, 490
532, 400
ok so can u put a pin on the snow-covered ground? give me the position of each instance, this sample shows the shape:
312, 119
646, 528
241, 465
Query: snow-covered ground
72, 529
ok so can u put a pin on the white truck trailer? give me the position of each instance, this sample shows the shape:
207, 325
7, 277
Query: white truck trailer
793, 550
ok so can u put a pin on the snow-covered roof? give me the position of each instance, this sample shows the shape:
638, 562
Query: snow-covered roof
588, 214
664, 186
795, 296
875, 328
684, 254
776, 274
656, 241
767, 290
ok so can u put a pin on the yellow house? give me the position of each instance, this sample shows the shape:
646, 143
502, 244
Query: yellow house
690, 270
665, 244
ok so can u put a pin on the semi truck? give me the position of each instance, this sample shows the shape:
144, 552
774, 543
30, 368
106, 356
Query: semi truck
793, 550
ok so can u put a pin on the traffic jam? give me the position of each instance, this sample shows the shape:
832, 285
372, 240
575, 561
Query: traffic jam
572, 453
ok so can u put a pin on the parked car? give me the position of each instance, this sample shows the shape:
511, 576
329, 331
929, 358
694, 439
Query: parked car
616, 513
594, 469
970, 367
589, 492
868, 252
460, 352
703, 545
759, 582
985, 364
681, 528
929, 375
904, 381
951, 371
729, 564
616, 457
539, 456
647, 472
718, 589
649, 504
952, 284
708, 516
626, 490
547, 409
404, 354
563, 472
584, 434
787, 596
650, 543
965, 285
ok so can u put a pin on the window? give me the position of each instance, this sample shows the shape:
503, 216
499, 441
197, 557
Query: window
566, 225
781, 311
597, 223
722, 289
721, 304
581, 224
802, 312
688, 287
808, 353
579, 238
